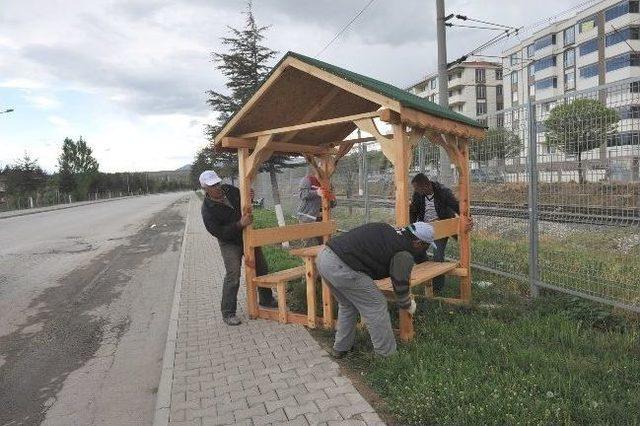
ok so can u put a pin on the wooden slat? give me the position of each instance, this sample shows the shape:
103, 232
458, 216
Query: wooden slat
281, 276
284, 148
274, 315
263, 237
310, 276
421, 273
312, 251
315, 110
311, 125
414, 118
445, 227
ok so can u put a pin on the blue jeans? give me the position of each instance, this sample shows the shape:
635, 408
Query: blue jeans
438, 256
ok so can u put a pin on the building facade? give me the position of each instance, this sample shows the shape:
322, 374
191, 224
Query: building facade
597, 46
593, 55
475, 88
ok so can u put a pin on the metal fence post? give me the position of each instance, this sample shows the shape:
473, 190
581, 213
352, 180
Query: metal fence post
533, 200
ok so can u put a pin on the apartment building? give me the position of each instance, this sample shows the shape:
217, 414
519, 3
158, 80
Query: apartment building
596, 47
475, 88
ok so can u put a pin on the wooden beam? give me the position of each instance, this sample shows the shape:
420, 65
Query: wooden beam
356, 89
414, 118
260, 154
445, 227
311, 125
464, 239
263, 237
275, 74
286, 148
314, 110
249, 251
386, 142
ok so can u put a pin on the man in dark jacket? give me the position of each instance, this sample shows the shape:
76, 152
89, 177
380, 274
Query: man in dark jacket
351, 261
222, 217
433, 201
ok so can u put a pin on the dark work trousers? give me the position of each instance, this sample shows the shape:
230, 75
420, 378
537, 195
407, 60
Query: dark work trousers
438, 256
232, 258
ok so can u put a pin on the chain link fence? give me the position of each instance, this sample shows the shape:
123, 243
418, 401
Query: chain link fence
562, 213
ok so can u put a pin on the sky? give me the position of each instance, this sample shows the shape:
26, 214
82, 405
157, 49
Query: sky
130, 76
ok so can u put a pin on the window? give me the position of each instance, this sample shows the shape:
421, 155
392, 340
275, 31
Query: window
621, 9
513, 59
514, 96
569, 35
570, 80
545, 41
589, 47
547, 83
634, 87
481, 108
450, 93
531, 50
498, 74
587, 24
531, 69
480, 75
546, 62
532, 90
569, 58
514, 77
499, 90
629, 111
500, 120
434, 83
629, 33
589, 71
499, 105
622, 61
482, 122
481, 91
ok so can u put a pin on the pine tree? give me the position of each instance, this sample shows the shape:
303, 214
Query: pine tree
245, 65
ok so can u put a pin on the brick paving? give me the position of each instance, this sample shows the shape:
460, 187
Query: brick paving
258, 373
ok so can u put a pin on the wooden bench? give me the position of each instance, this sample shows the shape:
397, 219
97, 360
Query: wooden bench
279, 280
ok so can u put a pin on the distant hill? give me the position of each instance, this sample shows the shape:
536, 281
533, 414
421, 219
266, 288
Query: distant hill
185, 168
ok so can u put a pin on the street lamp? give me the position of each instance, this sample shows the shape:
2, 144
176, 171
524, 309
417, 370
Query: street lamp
6, 111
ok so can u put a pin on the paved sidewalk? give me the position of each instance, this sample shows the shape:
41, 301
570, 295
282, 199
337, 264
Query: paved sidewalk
258, 373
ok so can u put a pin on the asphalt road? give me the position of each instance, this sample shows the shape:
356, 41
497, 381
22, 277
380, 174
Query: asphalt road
85, 298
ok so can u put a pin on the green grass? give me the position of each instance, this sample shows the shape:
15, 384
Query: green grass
506, 360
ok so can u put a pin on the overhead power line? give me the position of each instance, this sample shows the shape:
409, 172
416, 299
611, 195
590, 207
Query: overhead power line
466, 18
345, 28
478, 27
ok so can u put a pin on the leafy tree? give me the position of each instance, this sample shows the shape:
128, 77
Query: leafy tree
24, 177
245, 65
77, 167
580, 126
500, 143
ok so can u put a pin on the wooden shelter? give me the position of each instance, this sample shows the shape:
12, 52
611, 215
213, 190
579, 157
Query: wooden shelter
308, 107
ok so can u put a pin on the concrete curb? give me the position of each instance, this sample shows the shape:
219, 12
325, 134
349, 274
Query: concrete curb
24, 212
163, 398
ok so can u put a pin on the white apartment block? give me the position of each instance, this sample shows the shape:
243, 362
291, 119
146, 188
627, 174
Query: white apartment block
475, 88
598, 46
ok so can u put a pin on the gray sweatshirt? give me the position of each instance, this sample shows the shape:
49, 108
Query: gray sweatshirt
310, 202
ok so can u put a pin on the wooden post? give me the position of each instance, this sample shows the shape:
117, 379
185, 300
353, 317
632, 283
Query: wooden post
249, 253
465, 211
311, 293
402, 152
327, 301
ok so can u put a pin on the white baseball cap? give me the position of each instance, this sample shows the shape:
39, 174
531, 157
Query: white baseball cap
422, 230
209, 178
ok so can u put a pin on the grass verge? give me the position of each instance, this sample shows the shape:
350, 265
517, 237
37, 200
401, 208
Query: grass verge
504, 360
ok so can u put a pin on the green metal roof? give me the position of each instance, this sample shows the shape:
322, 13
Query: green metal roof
405, 98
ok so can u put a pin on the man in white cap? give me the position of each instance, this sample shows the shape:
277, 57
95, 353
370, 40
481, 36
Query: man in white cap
223, 218
351, 262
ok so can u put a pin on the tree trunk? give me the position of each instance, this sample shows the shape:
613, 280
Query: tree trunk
275, 191
580, 171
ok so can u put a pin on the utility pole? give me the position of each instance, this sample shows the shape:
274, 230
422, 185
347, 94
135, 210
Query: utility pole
443, 84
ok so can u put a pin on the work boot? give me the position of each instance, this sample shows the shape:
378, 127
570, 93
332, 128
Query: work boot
231, 320
338, 354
